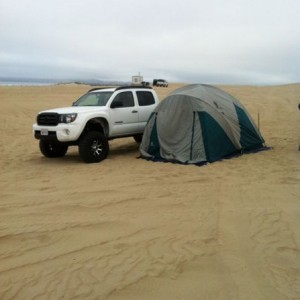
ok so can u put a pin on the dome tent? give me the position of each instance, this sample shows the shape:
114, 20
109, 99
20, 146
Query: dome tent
196, 124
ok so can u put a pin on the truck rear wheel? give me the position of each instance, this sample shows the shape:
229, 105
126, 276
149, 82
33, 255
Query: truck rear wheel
93, 147
52, 149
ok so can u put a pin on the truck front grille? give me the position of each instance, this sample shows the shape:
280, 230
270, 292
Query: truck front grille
48, 119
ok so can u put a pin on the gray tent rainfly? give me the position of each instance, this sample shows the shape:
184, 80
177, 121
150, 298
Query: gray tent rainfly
199, 123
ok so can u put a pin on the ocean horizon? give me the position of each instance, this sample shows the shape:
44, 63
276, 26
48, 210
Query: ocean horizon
16, 82
24, 83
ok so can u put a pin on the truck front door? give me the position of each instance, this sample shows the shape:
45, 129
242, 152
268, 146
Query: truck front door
124, 114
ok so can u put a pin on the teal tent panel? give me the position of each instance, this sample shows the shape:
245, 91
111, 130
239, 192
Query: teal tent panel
249, 137
215, 140
193, 133
154, 147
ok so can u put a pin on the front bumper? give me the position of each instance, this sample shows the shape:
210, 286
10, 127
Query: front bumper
61, 132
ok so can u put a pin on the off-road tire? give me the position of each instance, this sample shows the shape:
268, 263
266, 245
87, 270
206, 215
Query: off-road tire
93, 147
53, 149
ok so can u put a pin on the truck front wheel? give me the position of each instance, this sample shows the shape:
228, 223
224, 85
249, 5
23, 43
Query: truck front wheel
52, 149
93, 147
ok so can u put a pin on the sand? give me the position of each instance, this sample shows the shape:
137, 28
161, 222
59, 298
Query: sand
128, 229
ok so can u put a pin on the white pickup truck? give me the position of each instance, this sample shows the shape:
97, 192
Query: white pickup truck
95, 118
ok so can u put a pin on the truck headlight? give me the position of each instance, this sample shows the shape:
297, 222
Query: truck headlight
67, 118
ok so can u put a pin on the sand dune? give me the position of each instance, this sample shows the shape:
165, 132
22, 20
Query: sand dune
131, 229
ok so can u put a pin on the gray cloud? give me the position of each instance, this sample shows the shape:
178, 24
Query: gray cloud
237, 41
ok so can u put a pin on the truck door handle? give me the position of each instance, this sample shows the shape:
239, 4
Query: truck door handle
134, 111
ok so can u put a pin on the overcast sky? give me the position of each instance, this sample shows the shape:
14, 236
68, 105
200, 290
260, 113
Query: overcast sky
192, 41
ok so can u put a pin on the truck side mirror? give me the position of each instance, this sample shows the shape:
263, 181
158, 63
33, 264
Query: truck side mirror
116, 104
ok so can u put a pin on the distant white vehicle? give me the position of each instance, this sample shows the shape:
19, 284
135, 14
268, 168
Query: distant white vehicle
95, 118
160, 82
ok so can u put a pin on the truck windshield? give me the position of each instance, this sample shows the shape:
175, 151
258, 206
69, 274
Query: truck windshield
93, 99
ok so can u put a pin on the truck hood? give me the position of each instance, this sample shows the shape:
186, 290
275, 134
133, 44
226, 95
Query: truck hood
76, 109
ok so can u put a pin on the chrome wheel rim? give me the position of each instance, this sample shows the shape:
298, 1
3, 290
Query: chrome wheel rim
96, 148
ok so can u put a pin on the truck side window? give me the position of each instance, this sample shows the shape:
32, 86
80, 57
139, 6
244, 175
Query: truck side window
145, 98
126, 98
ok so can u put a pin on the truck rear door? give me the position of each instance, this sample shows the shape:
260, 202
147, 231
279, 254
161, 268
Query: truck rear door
146, 104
